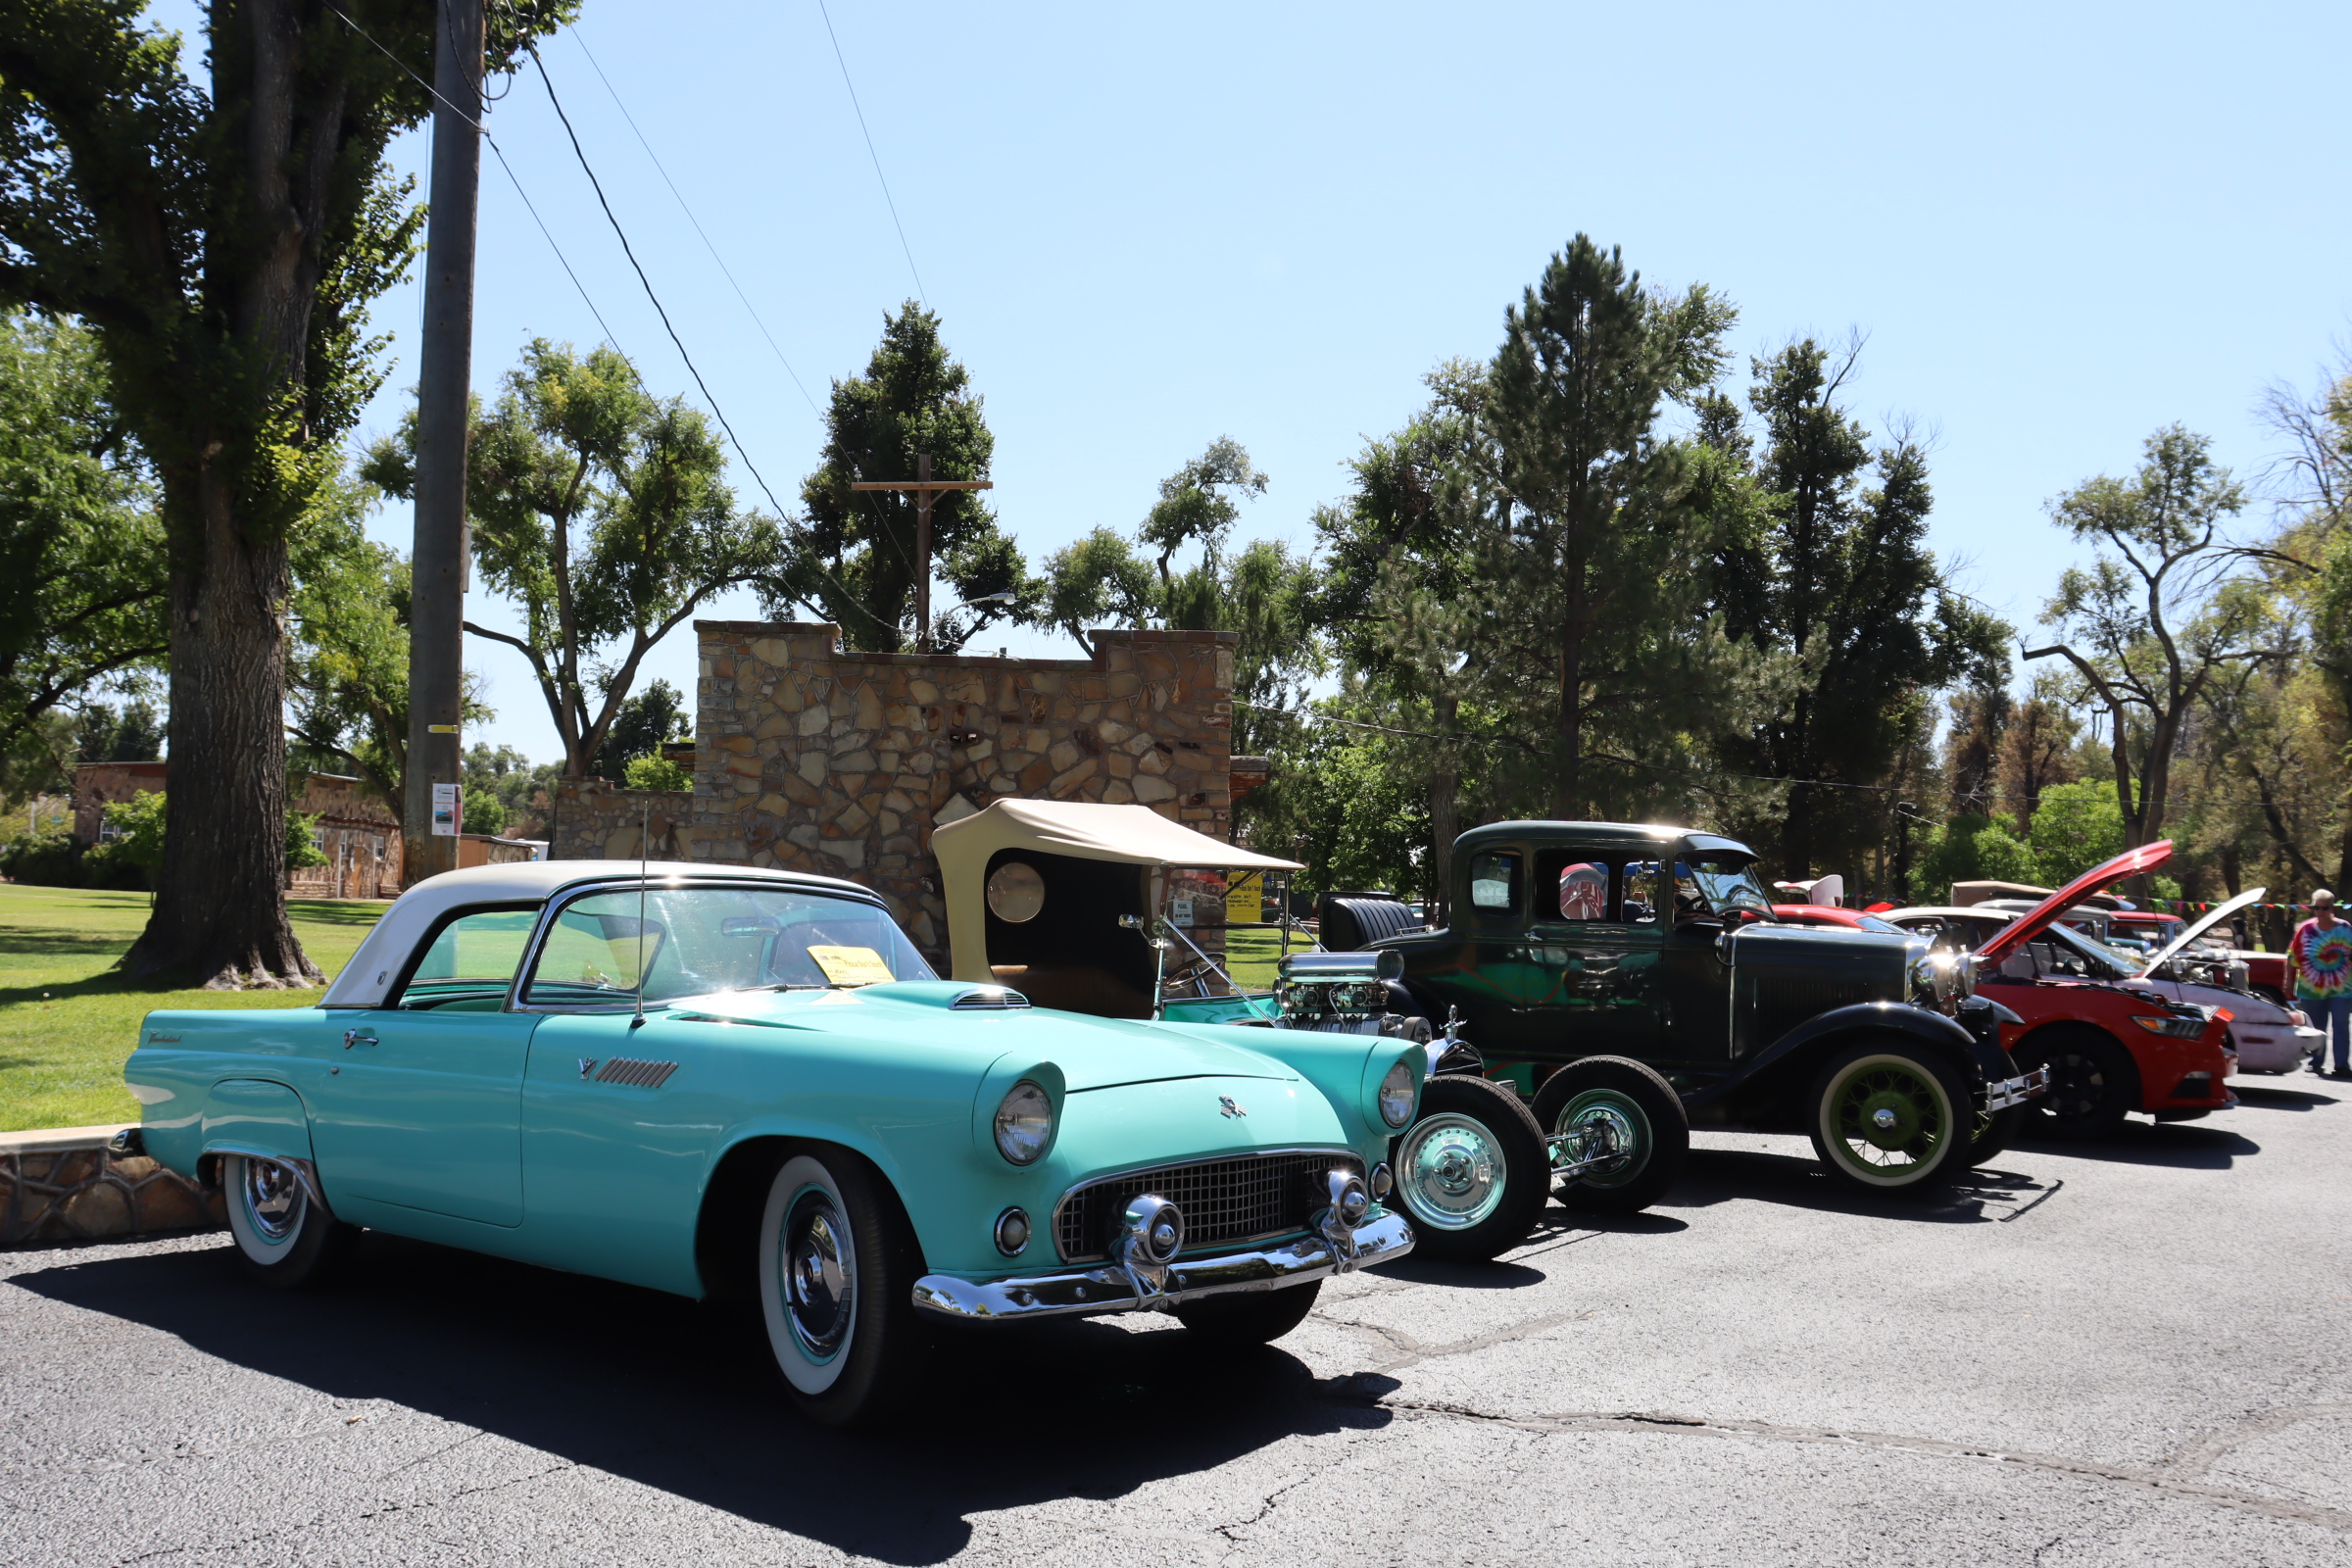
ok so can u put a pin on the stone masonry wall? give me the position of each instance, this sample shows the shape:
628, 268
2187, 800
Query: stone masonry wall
73, 1195
839, 763
594, 820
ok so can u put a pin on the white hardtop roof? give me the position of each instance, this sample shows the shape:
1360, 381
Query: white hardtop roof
1973, 911
369, 975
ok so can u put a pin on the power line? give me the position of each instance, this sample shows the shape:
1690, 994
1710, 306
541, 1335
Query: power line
870, 153
500, 153
647, 283
749, 308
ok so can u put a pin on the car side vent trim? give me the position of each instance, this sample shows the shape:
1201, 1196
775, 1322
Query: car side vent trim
989, 998
636, 1074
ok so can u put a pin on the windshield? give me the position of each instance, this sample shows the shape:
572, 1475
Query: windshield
2109, 962
1871, 922
693, 941
1722, 882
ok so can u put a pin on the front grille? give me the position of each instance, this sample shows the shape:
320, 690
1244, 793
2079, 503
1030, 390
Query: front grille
1780, 1002
1224, 1202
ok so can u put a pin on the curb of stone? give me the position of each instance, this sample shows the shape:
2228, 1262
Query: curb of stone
63, 1184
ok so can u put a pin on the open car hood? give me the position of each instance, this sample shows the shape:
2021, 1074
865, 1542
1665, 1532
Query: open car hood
2204, 923
2024, 929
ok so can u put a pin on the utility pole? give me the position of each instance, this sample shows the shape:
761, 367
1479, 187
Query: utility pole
444, 385
924, 488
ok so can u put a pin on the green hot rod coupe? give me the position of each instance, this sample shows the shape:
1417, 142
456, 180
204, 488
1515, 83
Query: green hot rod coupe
1633, 982
745, 1083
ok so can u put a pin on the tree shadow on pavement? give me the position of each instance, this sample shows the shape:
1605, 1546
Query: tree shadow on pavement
681, 1397
1719, 1175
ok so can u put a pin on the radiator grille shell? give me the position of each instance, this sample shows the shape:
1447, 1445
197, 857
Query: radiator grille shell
1226, 1203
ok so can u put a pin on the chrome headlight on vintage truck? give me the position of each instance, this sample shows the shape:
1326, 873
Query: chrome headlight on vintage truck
1942, 979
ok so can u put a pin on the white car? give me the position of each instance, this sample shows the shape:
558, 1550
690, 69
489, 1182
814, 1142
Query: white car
2269, 1038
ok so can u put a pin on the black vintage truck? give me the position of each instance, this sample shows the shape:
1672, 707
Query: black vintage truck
1602, 988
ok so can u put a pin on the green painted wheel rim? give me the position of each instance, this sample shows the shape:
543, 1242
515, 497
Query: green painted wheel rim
1888, 1121
1619, 1112
1450, 1172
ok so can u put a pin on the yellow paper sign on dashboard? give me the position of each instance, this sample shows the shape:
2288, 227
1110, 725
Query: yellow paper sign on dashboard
850, 967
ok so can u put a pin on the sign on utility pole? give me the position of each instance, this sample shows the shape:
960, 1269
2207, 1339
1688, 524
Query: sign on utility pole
438, 565
925, 488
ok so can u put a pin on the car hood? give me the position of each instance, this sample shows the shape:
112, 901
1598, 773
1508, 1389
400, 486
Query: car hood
2026, 927
1092, 1052
2204, 923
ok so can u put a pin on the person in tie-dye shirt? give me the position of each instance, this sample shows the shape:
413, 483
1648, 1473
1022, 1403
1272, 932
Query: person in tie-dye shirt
2321, 955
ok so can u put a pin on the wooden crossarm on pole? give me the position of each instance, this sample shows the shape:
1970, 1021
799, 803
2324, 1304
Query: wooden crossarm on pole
924, 489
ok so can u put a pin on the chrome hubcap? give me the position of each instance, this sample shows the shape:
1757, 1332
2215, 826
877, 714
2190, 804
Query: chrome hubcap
1604, 1122
1449, 1172
820, 1274
273, 1198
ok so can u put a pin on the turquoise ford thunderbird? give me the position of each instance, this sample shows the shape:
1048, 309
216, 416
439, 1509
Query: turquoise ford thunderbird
742, 1082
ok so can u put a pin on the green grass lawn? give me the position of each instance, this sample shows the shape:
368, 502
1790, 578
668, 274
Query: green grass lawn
1252, 950
67, 1019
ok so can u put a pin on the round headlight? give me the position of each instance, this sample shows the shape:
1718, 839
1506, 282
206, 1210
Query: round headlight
1396, 1096
1024, 1123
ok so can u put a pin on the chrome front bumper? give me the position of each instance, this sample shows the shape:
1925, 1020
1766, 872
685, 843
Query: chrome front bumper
1113, 1288
2016, 1090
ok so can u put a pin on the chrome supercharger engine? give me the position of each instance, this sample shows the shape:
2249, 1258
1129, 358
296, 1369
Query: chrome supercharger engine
1361, 993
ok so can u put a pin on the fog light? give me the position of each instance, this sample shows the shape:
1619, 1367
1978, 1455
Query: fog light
1383, 1182
2194, 1086
1013, 1232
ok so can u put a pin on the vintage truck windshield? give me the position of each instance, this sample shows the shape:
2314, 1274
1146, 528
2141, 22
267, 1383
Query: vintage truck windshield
1710, 885
697, 940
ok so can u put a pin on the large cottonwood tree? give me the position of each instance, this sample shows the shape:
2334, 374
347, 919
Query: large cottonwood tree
221, 239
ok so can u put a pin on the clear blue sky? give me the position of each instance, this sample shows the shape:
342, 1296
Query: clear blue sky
2060, 226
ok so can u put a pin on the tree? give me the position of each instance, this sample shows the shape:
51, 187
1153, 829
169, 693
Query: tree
646, 720
602, 511
1095, 579
2077, 827
519, 787
1843, 587
82, 558
221, 244
2035, 749
133, 733
1970, 848
1597, 543
1980, 723
347, 663
1197, 504
857, 562
2146, 627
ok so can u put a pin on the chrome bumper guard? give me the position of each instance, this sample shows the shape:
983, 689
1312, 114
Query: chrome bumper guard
1141, 1288
2016, 1090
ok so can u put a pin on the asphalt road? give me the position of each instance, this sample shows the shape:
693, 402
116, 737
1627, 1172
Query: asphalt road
2137, 1353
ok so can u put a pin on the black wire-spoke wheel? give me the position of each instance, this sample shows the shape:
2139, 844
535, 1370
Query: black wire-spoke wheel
2093, 1081
1891, 1117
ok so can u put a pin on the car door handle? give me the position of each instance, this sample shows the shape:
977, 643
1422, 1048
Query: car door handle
352, 1037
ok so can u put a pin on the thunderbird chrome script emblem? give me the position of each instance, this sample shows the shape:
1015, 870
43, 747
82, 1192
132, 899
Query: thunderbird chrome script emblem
1229, 1107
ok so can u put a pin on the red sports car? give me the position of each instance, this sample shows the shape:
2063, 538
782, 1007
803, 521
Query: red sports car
2111, 1050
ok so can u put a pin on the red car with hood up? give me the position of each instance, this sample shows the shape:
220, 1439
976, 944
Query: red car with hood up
2109, 1048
